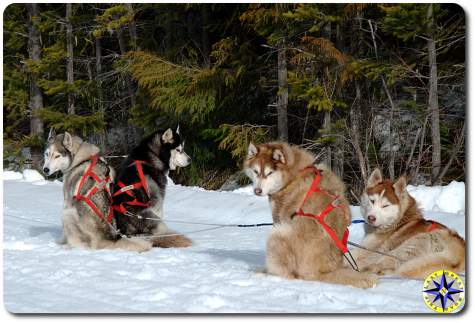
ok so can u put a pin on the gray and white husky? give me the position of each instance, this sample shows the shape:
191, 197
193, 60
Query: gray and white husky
82, 227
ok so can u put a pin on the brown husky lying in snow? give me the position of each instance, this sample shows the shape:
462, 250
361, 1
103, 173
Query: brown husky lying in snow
298, 246
395, 225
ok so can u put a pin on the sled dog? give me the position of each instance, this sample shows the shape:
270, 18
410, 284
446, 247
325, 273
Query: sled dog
298, 246
139, 189
395, 225
87, 220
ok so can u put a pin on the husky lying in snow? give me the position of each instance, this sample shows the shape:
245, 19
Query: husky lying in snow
82, 223
396, 226
298, 246
139, 189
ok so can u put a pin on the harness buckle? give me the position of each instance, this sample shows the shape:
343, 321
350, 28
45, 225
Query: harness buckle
336, 202
127, 188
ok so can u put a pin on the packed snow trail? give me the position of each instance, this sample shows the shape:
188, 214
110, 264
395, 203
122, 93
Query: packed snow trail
217, 274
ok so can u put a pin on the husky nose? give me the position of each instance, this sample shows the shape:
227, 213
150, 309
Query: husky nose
257, 191
46, 170
371, 218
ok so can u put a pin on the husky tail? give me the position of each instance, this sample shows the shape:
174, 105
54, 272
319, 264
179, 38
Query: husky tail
163, 237
171, 239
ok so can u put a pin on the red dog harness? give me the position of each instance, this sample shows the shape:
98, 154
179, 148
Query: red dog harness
433, 226
127, 189
100, 184
341, 244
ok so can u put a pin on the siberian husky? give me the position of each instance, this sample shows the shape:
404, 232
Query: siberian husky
299, 247
395, 225
82, 225
139, 189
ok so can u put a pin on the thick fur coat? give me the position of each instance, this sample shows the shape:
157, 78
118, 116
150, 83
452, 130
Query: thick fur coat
81, 226
299, 247
159, 153
395, 225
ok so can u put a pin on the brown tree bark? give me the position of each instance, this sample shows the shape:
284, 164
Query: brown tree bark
36, 97
100, 92
355, 133
328, 150
70, 55
132, 27
128, 80
282, 95
433, 104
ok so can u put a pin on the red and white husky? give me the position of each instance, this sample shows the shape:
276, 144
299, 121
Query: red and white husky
395, 225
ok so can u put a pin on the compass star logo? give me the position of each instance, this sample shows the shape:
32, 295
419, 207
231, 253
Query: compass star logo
443, 291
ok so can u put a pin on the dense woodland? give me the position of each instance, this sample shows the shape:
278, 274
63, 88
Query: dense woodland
361, 85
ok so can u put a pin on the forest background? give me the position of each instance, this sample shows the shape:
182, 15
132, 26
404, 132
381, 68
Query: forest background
360, 85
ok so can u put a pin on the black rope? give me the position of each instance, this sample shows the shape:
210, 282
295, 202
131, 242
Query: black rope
253, 225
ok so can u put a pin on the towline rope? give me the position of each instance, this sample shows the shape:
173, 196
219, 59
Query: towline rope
215, 226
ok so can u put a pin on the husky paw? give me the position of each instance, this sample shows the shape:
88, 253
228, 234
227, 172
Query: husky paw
261, 271
367, 282
61, 241
139, 245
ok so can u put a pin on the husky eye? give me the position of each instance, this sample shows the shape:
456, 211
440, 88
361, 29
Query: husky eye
57, 156
384, 206
271, 172
256, 172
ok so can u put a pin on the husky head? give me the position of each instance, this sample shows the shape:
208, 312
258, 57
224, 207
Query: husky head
58, 153
264, 166
170, 147
383, 202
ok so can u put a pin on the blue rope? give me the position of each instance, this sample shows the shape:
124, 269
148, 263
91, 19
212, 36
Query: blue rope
357, 221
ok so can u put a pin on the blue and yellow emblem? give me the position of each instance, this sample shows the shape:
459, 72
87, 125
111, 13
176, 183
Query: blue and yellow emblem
443, 291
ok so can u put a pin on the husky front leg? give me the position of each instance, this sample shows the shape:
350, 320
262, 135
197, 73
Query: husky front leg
71, 230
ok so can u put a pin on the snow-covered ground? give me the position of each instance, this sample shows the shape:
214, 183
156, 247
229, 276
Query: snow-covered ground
217, 274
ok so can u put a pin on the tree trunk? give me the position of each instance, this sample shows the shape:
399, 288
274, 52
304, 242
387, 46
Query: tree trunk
392, 154
205, 35
128, 81
36, 97
433, 105
70, 54
132, 28
355, 133
100, 92
327, 158
282, 96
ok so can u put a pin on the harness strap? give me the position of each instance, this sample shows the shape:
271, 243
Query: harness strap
99, 184
340, 243
433, 226
128, 189
86, 174
138, 164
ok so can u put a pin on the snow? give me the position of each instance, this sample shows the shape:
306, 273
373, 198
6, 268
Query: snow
11, 175
28, 175
32, 175
217, 274
450, 198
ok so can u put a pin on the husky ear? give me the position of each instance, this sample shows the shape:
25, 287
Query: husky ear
375, 177
178, 129
251, 150
51, 135
167, 136
279, 156
400, 186
68, 141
